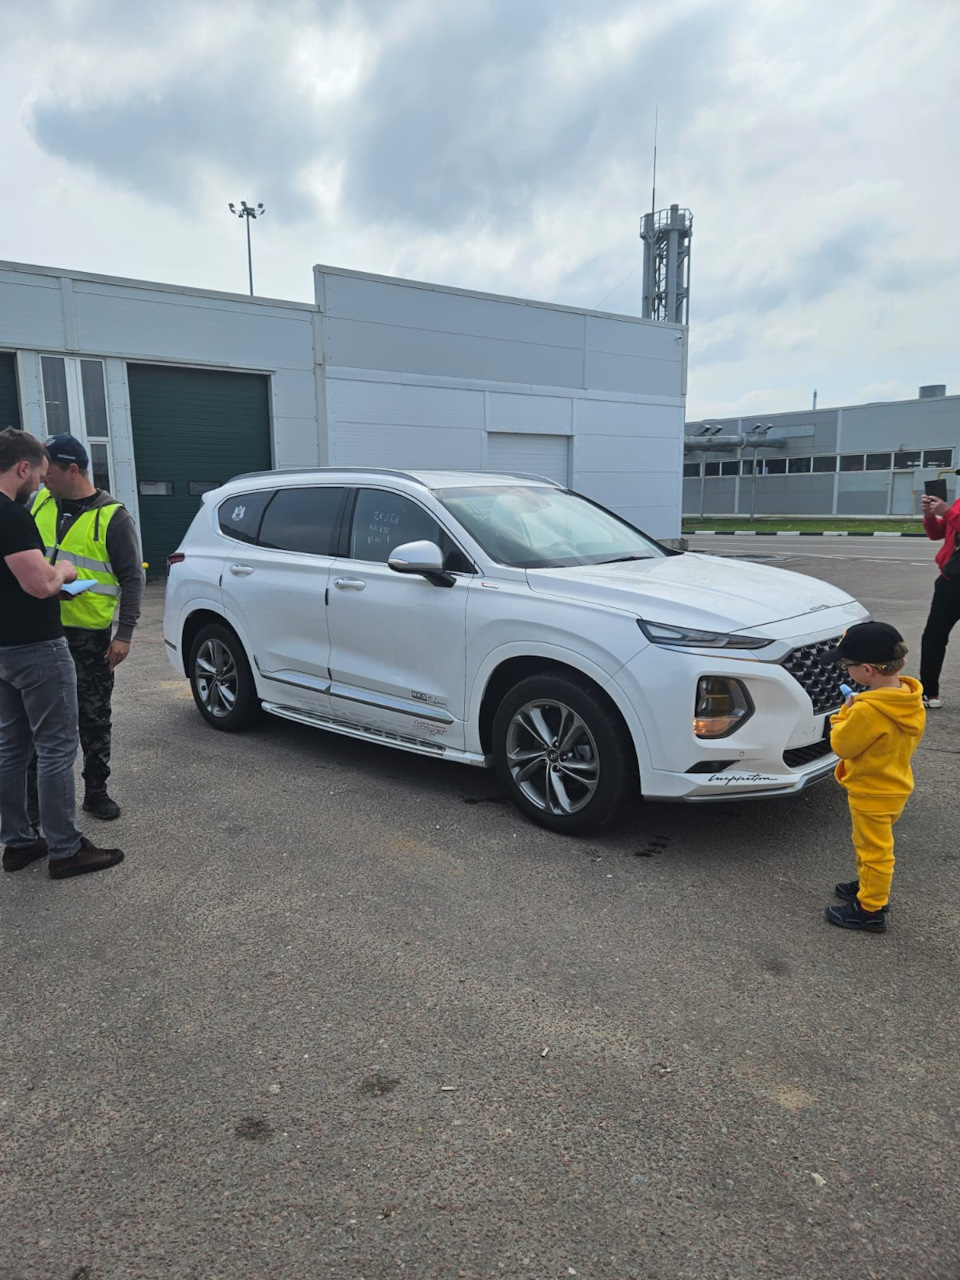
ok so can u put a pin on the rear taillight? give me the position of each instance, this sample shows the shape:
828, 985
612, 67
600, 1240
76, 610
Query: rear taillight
178, 557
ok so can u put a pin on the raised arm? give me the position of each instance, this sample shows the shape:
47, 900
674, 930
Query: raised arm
933, 511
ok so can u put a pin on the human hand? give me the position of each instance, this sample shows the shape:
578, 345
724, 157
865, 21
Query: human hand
68, 571
116, 653
933, 506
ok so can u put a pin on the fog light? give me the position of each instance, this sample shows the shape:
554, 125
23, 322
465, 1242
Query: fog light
722, 706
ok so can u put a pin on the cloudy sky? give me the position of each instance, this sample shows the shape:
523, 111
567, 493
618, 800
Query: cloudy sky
505, 145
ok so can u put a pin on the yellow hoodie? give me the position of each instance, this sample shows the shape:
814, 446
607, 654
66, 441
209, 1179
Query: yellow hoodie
875, 738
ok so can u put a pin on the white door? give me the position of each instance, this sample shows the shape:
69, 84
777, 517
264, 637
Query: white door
907, 488
530, 455
397, 641
276, 588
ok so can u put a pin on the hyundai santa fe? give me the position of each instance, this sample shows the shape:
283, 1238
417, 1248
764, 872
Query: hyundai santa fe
504, 621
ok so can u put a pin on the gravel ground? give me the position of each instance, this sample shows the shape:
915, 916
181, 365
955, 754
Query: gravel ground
342, 1013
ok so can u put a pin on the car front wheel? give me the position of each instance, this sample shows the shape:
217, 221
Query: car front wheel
221, 680
563, 753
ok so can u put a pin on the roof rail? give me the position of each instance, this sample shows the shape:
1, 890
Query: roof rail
386, 471
531, 475
277, 471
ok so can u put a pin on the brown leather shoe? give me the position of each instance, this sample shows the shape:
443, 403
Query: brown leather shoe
88, 858
16, 857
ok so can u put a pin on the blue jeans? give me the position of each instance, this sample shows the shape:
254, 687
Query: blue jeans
38, 707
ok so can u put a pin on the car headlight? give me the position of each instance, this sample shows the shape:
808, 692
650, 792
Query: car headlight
722, 706
688, 638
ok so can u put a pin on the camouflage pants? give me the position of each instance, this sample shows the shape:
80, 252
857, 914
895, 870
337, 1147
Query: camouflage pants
94, 693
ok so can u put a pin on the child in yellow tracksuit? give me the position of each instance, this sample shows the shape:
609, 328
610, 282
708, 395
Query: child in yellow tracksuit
875, 733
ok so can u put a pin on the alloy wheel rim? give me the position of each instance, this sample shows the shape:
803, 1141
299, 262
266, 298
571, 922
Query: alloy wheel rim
552, 757
217, 678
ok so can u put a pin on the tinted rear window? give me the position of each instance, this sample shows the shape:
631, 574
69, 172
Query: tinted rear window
239, 516
302, 520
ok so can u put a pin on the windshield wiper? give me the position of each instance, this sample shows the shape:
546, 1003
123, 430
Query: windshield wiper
620, 559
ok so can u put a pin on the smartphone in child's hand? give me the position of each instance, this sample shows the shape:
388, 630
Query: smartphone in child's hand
935, 489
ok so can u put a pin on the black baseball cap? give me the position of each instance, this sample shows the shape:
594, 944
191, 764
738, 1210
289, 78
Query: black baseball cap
872, 642
66, 449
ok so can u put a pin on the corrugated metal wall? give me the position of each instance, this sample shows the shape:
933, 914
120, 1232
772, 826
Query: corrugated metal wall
539, 455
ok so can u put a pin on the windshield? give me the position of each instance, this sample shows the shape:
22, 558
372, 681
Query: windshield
540, 528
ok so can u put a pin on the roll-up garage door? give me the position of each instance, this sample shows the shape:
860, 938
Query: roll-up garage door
530, 454
192, 430
9, 400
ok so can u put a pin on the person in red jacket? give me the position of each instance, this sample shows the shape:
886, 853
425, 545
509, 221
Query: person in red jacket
941, 522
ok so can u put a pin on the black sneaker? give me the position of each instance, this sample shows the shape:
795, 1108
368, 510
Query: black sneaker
848, 890
852, 916
87, 858
16, 857
101, 806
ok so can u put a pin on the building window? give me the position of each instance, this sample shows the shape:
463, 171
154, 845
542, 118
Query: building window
938, 457
825, 463
711, 468
56, 404
851, 462
99, 464
729, 468
878, 462
905, 459
746, 467
94, 400
798, 466
75, 403
691, 469
772, 466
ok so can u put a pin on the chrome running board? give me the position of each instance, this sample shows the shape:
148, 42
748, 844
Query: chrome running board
384, 737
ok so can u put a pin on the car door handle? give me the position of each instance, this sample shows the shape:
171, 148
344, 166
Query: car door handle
241, 570
349, 584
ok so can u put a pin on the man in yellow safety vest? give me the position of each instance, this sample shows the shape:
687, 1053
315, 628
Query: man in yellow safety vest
89, 528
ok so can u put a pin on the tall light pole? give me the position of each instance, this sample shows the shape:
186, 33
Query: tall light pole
248, 211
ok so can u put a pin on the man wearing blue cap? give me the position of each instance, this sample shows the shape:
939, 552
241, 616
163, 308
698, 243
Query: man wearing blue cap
93, 531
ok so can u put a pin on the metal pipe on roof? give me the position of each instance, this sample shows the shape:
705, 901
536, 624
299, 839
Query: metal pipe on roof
755, 440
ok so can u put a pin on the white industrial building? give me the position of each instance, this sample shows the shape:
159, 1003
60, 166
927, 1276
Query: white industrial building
176, 390
856, 460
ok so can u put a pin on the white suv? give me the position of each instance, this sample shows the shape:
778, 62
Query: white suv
501, 620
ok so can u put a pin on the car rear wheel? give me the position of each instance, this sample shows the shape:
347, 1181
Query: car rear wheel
221, 680
563, 753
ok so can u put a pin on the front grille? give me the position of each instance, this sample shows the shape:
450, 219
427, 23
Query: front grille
797, 756
821, 683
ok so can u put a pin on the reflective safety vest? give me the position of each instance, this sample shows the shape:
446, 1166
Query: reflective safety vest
85, 546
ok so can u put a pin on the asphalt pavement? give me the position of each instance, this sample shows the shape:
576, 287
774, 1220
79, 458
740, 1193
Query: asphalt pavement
343, 1013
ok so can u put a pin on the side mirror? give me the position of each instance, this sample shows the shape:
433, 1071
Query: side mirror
423, 558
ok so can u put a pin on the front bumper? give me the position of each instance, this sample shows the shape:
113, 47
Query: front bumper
782, 748
823, 769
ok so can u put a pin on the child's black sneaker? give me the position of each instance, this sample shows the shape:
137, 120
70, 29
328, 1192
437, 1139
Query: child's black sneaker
852, 916
848, 890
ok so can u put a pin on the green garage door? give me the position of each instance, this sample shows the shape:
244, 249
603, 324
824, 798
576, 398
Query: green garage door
192, 430
9, 400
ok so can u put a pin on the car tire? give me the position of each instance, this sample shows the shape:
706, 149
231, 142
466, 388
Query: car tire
563, 753
221, 680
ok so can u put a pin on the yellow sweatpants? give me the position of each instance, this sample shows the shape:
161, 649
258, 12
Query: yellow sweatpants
873, 844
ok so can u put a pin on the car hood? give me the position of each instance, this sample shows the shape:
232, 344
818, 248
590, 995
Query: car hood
690, 590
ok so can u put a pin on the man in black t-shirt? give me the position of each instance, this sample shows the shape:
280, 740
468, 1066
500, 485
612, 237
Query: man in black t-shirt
38, 682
